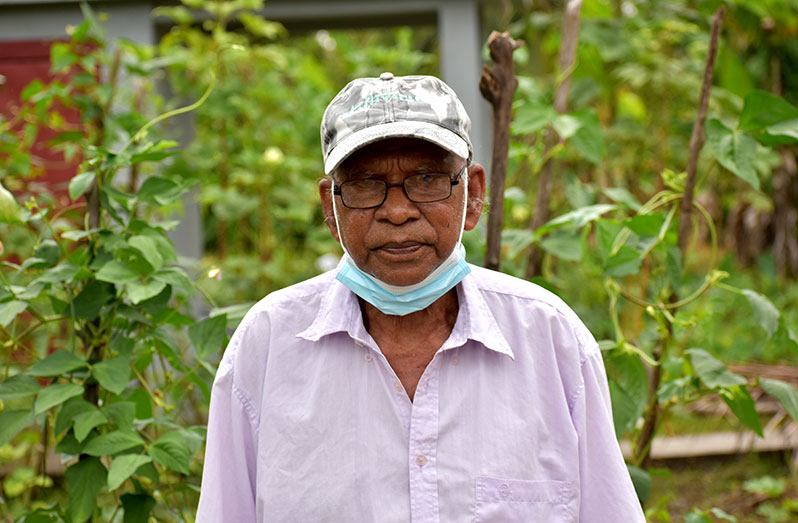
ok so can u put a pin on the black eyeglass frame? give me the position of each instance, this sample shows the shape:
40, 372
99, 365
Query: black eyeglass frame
452, 182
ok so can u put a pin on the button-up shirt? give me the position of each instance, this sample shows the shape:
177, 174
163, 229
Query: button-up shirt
510, 421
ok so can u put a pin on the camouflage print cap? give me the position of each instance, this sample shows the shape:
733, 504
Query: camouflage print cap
372, 109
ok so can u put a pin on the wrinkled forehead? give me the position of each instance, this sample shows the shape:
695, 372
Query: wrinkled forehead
407, 153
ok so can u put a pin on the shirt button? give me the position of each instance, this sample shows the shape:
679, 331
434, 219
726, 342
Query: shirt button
368, 357
398, 385
421, 460
504, 490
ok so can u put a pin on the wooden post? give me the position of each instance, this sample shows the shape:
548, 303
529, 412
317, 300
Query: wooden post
497, 85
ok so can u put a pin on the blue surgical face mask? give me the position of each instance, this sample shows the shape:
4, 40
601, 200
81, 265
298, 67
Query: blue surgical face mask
402, 300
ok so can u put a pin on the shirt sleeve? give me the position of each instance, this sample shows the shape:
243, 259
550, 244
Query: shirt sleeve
228, 478
606, 490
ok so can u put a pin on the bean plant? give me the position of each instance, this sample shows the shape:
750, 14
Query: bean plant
106, 372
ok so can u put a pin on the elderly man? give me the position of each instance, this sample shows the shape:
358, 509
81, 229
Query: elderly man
407, 385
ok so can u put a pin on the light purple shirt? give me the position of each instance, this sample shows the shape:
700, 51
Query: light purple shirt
510, 421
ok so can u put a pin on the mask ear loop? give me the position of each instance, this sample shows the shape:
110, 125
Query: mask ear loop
465, 203
335, 216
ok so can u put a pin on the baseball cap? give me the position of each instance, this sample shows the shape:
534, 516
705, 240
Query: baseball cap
372, 109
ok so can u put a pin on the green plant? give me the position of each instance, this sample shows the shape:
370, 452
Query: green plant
103, 366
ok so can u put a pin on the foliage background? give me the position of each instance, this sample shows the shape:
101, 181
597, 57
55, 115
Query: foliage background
254, 162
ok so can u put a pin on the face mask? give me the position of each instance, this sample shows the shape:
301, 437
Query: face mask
402, 300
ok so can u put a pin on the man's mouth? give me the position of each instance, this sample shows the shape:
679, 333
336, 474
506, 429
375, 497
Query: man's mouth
401, 248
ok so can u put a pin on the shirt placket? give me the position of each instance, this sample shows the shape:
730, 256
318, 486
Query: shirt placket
423, 447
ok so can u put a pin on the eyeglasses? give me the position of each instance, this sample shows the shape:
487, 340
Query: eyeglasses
419, 188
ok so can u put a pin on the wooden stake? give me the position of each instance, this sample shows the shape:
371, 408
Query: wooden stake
651, 415
570, 39
498, 84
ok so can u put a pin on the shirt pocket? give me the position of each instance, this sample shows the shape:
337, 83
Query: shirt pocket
524, 501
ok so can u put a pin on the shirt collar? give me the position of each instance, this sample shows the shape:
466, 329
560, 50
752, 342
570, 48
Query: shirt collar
339, 311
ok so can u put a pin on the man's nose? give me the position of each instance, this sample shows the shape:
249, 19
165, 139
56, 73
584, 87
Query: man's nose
397, 207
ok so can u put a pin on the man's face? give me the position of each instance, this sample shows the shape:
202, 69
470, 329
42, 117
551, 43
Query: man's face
402, 242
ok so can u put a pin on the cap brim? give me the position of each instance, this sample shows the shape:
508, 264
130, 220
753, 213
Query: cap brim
425, 131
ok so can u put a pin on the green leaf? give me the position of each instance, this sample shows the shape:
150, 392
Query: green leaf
60, 362
784, 392
116, 272
32, 88
64, 271
623, 263
696, 516
10, 310
159, 191
69, 411
13, 421
55, 395
712, 372
123, 467
86, 421
149, 249
84, 480
92, 299
764, 311
628, 383
742, 405
566, 125
139, 291
719, 513
531, 117
577, 218
621, 195
173, 451
567, 246
176, 277
734, 150
641, 481
645, 224
208, 336
137, 507
516, 240
19, 386
588, 139
113, 374
112, 443
122, 413
79, 184
767, 485
61, 57
49, 252
769, 118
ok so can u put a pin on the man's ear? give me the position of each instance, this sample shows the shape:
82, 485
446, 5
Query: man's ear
325, 192
476, 195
